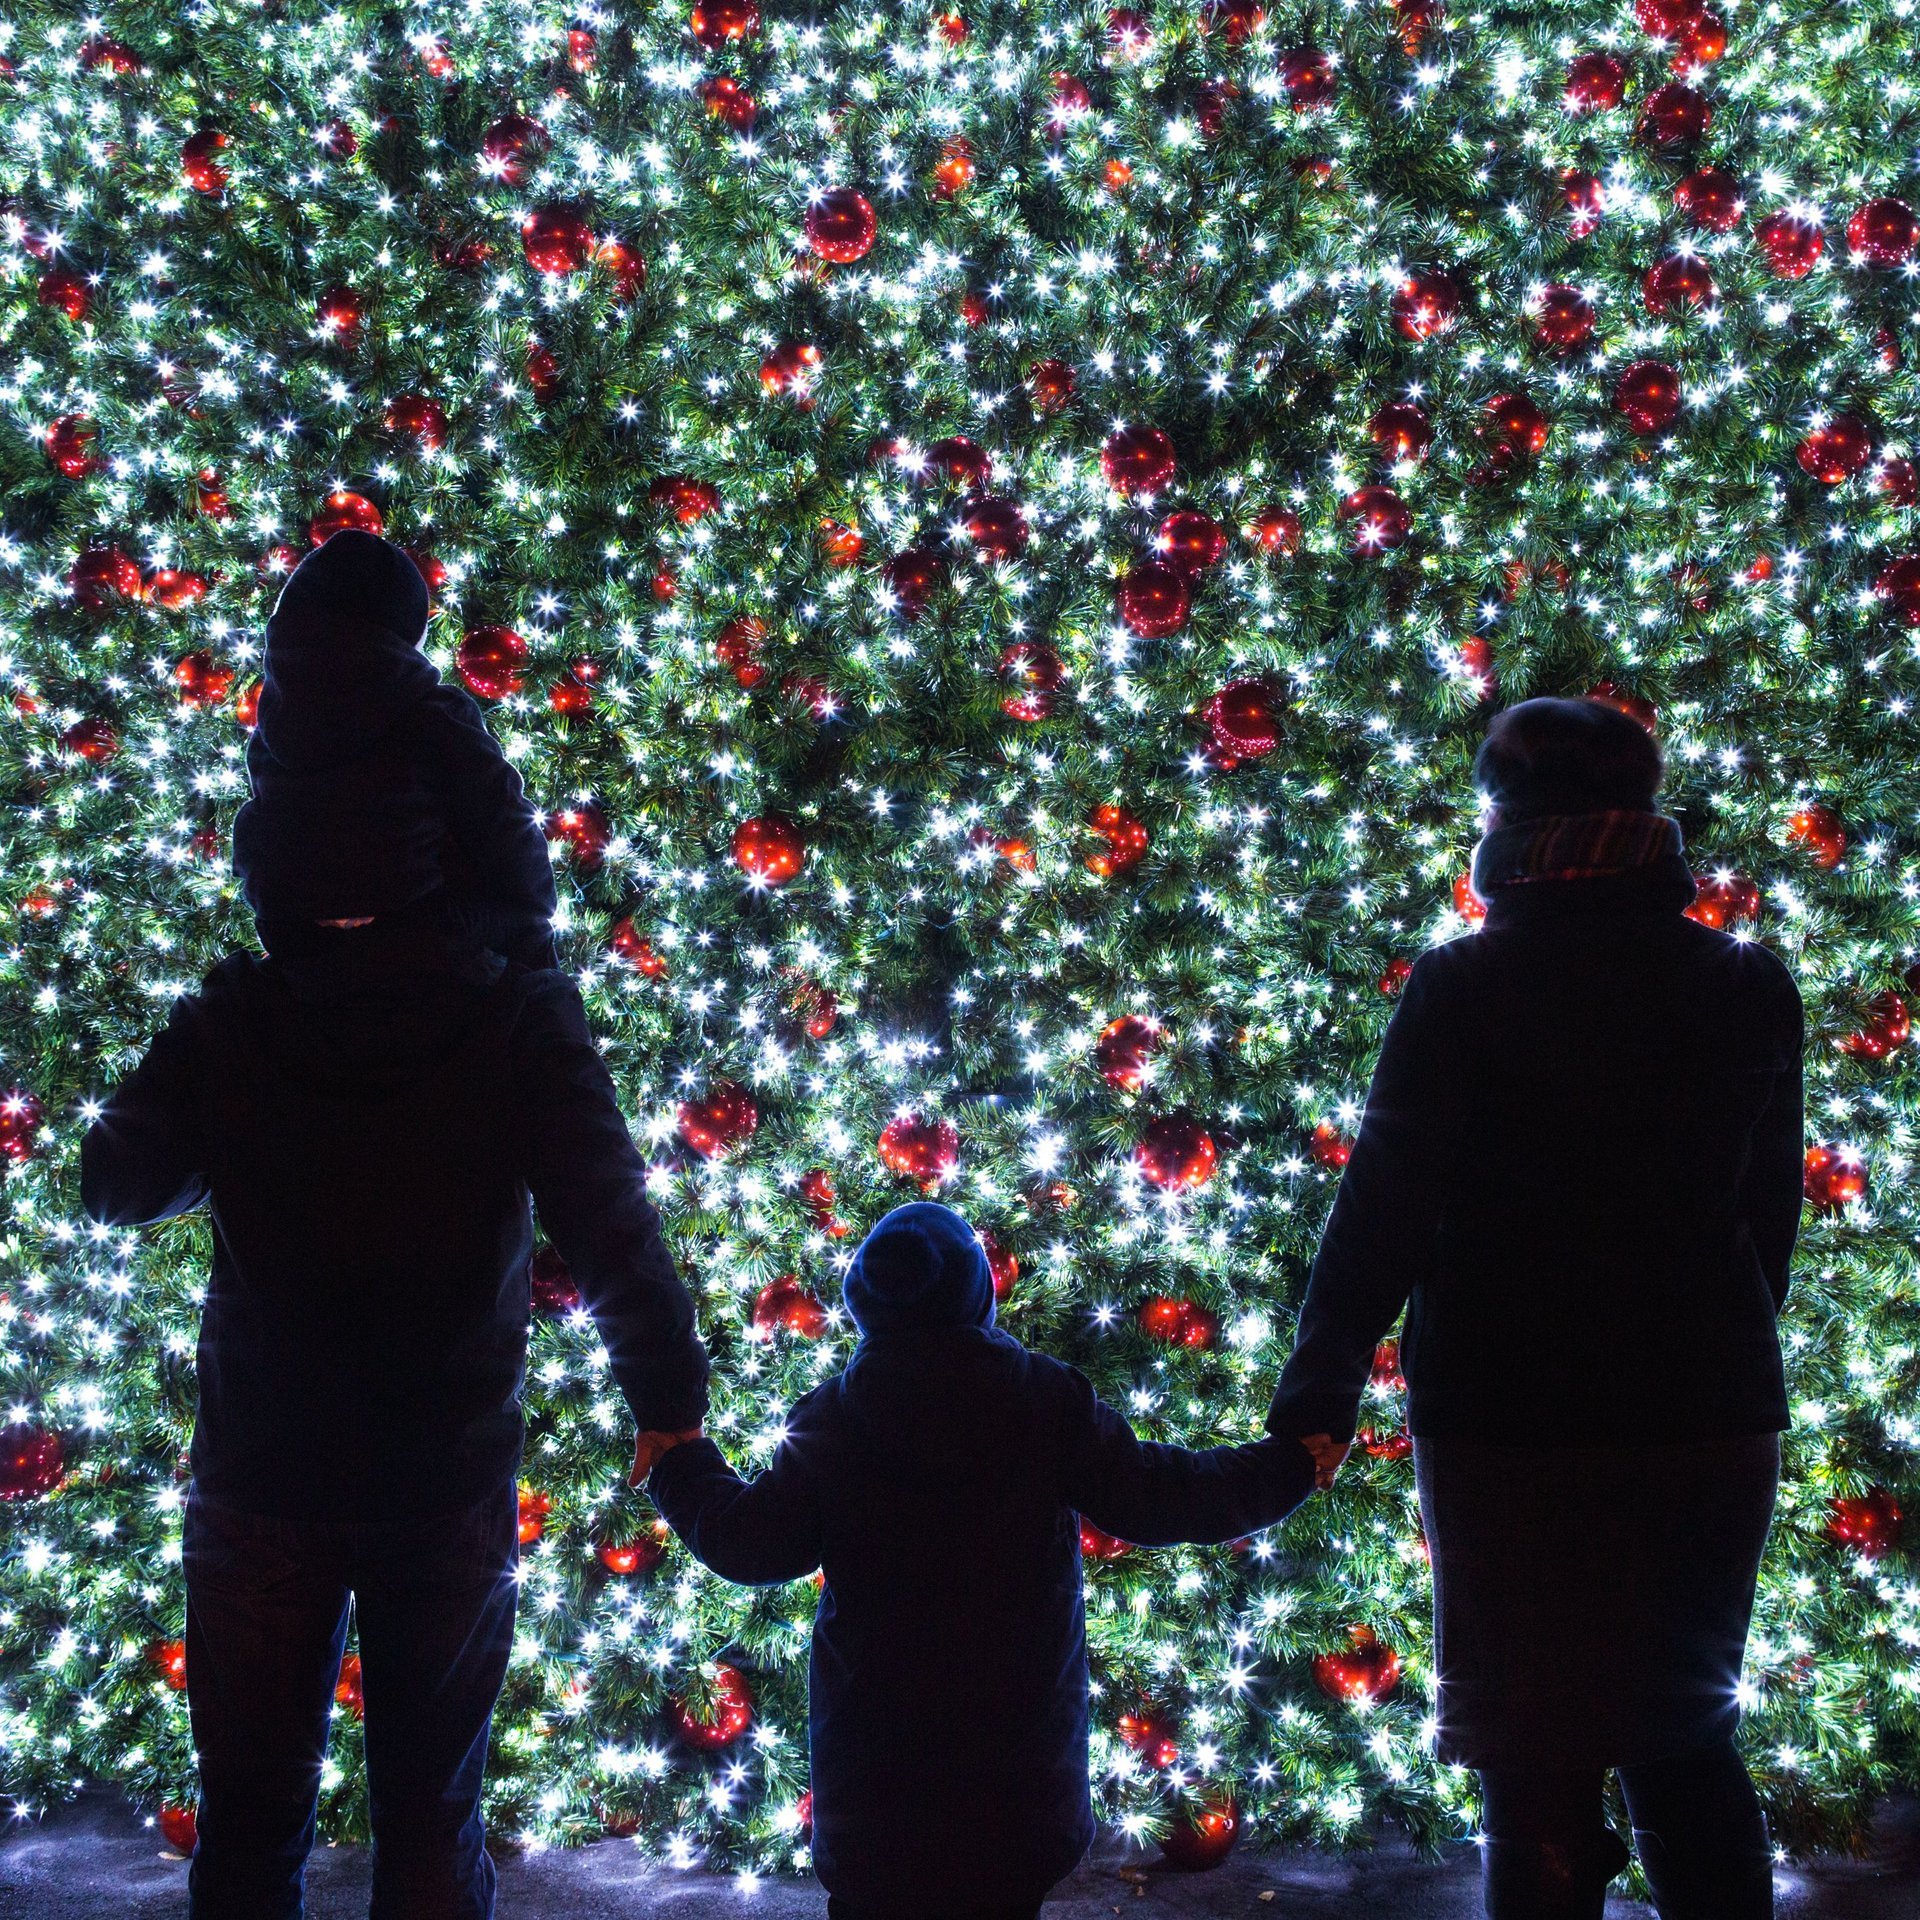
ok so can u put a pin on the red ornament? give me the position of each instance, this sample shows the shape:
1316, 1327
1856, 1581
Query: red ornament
1275, 530
1635, 706
582, 828
1675, 115
1123, 1050
104, 54
1820, 831
1189, 542
1243, 722
415, 416
840, 226
543, 374
1700, 40
551, 1286
1309, 77
690, 500
180, 1828
1585, 199
1386, 1443
1563, 320
919, 1149
210, 497
955, 458
1899, 585
1417, 19
198, 166
1003, 1266
583, 49
175, 588
1128, 33
624, 267
631, 946
626, 1558
913, 576
952, 28
534, 1508
1596, 82
1151, 1736
555, 238
340, 511
1127, 841
997, 528
1647, 396
738, 645
349, 1690
1137, 460
1833, 1177
69, 444
1236, 21
1154, 601
1202, 1836
1176, 1152
1072, 100
1395, 975
785, 1306
722, 1118
341, 313
101, 575
727, 100
1401, 431
1178, 1323
769, 849
1710, 200
719, 24
93, 739
1330, 1147
1838, 450
1380, 518
1036, 673
1722, 898
1886, 1028
1677, 280
817, 1195
1790, 243
1514, 428
1870, 1524
1898, 482
1096, 1544
790, 370
32, 1459
66, 292
337, 140
1466, 903
201, 681
1052, 384
489, 660
1366, 1668
1211, 99
1427, 303
1386, 1371
953, 172
1884, 233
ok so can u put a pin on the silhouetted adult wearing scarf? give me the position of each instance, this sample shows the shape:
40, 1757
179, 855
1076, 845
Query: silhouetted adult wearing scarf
367, 1112
1580, 1174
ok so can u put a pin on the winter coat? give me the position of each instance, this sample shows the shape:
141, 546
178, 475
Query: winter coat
1579, 1172
939, 1483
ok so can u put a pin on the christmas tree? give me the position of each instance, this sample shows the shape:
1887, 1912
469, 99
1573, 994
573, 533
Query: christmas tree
992, 536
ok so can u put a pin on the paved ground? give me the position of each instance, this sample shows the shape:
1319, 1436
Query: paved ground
97, 1861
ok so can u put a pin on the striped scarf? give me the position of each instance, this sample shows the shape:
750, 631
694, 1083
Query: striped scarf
1573, 846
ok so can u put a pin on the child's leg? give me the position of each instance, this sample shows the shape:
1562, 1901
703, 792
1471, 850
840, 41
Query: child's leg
1548, 1852
266, 1619
435, 1602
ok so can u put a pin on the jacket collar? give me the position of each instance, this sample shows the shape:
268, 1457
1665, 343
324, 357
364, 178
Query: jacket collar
1659, 891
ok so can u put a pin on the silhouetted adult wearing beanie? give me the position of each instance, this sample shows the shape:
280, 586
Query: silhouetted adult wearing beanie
1580, 1174
368, 1112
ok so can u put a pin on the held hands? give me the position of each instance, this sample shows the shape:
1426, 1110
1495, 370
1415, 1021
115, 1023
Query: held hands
1327, 1455
649, 1449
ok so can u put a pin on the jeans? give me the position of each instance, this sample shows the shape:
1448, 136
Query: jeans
267, 1603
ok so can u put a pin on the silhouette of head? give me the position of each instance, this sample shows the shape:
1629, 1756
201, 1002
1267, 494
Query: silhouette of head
920, 1269
1551, 757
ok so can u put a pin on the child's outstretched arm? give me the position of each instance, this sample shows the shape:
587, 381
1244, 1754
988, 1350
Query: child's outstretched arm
142, 1158
759, 1532
1158, 1496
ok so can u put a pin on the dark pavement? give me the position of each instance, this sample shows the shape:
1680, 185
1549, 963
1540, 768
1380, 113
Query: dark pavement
97, 1861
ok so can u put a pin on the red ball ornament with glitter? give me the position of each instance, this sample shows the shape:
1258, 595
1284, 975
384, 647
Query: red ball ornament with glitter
769, 849
727, 101
341, 312
1647, 396
551, 1286
840, 226
417, 416
738, 647
1596, 83
641, 1554
1123, 1050
1722, 898
1837, 450
997, 528
489, 660
1309, 77
789, 371
1097, 1544
1176, 1153
1154, 601
102, 575
534, 1507
1466, 903
1201, 1836
1379, 518
69, 444
32, 1459
510, 147
1035, 673
1886, 1026
1401, 431
1137, 459
1868, 1525
1151, 1735
200, 166
1710, 200
94, 739
1427, 304
913, 576
581, 827
628, 944
1275, 531
624, 267
719, 24
727, 1714
1897, 481
174, 589
1833, 1177
1052, 384
1003, 1265
1365, 1669
1675, 116
1127, 841
785, 1306
1514, 428
340, 511
1330, 1147
1189, 542
1820, 832
65, 292
721, 1119
689, 500
201, 681
1243, 721
1790, 244
1563, 320
179, 1828
555, 239
916, 1148
1898, 584
1677, 282
1884, 232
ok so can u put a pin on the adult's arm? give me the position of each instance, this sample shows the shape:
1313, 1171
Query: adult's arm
589, 1188
1381, 1233
1157, 1496
144, 1158
758, 1532
1773, 1187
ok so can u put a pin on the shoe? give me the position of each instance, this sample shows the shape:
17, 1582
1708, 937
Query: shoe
1729, 1883
1538, 1880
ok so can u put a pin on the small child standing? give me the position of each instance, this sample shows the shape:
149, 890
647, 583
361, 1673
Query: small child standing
938, 1483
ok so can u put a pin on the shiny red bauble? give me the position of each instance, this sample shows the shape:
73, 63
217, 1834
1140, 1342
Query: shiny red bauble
1790, 244
1137, 459
534, 1507
917, 1148
1596, 82
32, 1460
1330, 1147
556, 238
1677, 281
490, 659
509, 148
689, 500
719, 24
1897, 482
627, 943
1200, 1837
551, 1286
69, 445
179, 1828
722, 1118
727, 101
1675, 115
1401, 431
1124, 1048
94, 739
63, 290
997, 528
1833, 1177
342, 511
1189, 542
581, 827
1035, 673
1427, 303
624, 267
1127, 841
785, 1306
840, 226
1275, 530
1886, 1027
790, 370
1710, 200
1898, 584
1868, 1525
1647, 396
1154, 601
1820, 832
1837, 450
625, 1558
1379, 518
1052, 384
101, 575
341, 312
1394, 975
1151, 1735
769, 849
953, 172
1243, 721
1310, 78
1585, 197
1563, 320
1128, 32
1466, 903
201, 681
200, 167
1176, 1153
416, 416
725, 1717
1722, 898
1366, 1668
1884, 232
176, 588
1514, 428
1003, 1265
913, 576
1097, 1544
1178, 1322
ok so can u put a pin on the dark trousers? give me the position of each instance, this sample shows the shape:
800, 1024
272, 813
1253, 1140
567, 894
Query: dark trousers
838, 1909
267, 1604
